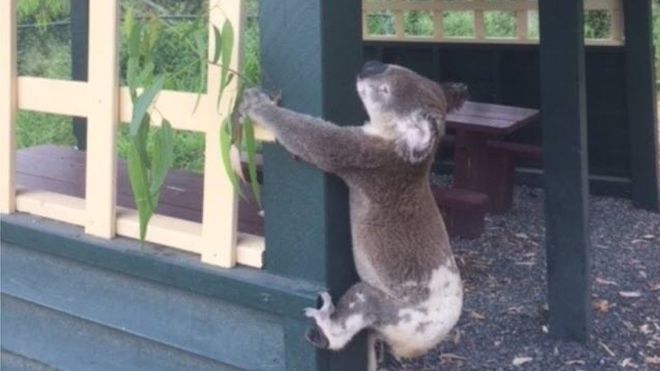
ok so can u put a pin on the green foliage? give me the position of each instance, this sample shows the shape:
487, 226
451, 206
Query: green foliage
597, 24
35, 128
146, 171
458, 24
381, 23
500, 24
42, 12
418, 23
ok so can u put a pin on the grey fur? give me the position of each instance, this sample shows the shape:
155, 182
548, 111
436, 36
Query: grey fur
399, 237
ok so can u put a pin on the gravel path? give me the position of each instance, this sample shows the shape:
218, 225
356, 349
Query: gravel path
504, 319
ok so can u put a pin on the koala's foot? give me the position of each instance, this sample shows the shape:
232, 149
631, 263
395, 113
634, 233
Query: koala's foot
316, 337
335, 327
320, 316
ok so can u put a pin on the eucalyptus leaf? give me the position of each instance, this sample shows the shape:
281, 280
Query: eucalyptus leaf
218, 44
134, 36
143, 103
163, 156
137, 174
251, 151
227, 50
225, 152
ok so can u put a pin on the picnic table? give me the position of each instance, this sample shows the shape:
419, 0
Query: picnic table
483, 162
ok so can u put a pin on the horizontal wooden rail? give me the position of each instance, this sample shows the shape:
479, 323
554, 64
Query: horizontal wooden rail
396, 12
164, 230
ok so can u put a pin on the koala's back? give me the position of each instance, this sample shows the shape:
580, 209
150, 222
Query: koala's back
399, 237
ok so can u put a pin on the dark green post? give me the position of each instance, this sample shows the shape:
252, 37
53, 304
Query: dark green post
563, 107
311, 53
641, 99
79, 47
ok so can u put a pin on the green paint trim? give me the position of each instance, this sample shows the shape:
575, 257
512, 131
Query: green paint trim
248, 287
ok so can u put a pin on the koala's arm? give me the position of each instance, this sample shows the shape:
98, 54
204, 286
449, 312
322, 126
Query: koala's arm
327, 146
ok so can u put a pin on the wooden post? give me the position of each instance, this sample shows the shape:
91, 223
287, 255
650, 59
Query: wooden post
101, 189
220, 207
641, 99
312, 56
79, 53
563, 108
8, 106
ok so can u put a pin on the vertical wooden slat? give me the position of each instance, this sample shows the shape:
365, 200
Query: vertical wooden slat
438, 20
399, 21
479, 22
102, 120
365, 24
8, 106
521, 24
616, 31
220, 213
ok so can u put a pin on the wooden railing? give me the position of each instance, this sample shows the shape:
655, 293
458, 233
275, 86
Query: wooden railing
105, 104
394, 19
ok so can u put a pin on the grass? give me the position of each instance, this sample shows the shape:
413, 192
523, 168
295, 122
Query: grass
46, 54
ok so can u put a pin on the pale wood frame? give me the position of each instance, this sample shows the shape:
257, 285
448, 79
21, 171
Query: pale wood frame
478, 7
105, 104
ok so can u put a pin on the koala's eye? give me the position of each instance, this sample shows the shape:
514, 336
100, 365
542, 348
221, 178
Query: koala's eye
384, 89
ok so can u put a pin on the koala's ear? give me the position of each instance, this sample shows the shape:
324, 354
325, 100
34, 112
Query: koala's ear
417, 136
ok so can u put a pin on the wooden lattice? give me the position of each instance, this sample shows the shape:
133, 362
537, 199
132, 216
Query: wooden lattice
106, 104
392, 20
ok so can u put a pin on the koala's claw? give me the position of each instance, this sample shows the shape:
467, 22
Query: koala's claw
327, 303
252, 98
316, 337
327, 308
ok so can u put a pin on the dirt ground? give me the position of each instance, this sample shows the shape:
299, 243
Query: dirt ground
504, 322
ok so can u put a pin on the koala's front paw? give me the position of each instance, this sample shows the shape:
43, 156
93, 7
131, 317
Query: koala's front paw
327, 308
252, 98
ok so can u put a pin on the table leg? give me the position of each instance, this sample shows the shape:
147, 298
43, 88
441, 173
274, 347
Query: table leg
471, 161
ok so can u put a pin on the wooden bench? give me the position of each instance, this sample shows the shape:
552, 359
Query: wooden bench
463, 211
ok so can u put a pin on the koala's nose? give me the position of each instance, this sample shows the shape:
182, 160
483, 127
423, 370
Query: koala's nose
372, 68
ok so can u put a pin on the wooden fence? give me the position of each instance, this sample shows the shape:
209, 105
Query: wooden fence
105, 104
396, 15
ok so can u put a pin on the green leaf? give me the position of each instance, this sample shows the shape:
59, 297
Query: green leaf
140, 141
151, 37
134, 35
146, 76
163, 157
217, 50
251, 150
131, 77
229, 79
227, 49
225, 148
137, 174
143, 103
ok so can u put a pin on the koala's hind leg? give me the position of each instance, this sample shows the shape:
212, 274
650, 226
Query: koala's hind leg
335, 327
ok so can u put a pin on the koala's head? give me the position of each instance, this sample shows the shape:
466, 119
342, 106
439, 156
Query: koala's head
403, 106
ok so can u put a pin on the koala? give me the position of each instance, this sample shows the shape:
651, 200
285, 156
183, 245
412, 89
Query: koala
410, 292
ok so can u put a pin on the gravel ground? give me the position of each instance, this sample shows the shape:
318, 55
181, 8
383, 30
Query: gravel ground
504, 321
